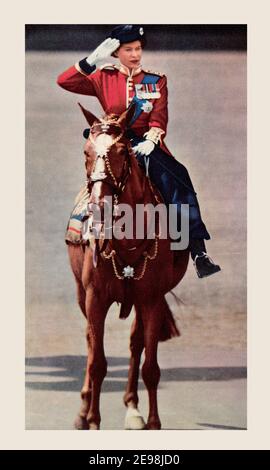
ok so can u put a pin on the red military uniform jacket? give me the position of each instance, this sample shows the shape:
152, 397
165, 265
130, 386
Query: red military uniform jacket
115, 87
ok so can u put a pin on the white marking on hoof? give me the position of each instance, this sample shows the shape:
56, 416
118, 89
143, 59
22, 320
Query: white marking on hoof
134, 420
81, 423
93, 427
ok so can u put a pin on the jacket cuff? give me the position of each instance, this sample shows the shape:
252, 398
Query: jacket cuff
154, 134
84, 68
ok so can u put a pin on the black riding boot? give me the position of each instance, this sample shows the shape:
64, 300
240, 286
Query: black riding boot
203, 264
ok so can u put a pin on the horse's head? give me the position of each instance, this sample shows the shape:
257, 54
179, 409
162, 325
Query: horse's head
106, 154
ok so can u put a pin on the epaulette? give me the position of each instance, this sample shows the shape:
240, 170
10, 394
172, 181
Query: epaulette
153, 72
107, 67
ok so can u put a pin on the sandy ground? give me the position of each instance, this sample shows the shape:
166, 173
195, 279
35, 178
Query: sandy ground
203, 371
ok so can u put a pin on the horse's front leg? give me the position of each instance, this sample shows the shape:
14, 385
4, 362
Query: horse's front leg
152, 316
134, 419
96, 310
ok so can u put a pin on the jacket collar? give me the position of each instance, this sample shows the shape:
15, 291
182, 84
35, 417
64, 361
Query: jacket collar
125, 70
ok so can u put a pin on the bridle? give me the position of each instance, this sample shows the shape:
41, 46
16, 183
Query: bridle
108, 177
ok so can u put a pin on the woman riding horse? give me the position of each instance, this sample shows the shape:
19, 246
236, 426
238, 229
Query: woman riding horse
117, 86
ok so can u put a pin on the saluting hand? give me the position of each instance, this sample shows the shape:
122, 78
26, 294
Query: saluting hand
104, 50
144, 148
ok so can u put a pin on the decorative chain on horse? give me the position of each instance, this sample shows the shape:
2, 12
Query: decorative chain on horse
106, 269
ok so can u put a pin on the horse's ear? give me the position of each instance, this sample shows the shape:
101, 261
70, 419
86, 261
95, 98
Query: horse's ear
127, 115
90, 118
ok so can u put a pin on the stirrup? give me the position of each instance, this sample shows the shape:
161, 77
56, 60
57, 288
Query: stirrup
201, 256
207, 270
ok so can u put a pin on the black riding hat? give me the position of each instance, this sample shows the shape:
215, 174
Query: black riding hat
129, 33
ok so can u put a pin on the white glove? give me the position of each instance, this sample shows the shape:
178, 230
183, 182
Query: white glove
144, 148
105, 49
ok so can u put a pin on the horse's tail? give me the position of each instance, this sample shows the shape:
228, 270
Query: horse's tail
168, 329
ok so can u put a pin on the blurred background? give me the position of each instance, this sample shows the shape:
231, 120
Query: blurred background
170, 37
203, 373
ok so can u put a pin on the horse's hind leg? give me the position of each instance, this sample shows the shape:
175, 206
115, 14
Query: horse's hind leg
134, 419
76, 258
152, 316
81, 296
81, 422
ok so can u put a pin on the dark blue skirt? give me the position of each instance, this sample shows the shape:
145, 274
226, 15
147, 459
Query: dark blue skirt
174, 183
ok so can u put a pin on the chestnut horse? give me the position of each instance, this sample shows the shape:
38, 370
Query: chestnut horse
152, 270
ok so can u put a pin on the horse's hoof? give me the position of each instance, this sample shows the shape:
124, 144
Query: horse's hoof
93, 426
81, 423
134, 420
154, 426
